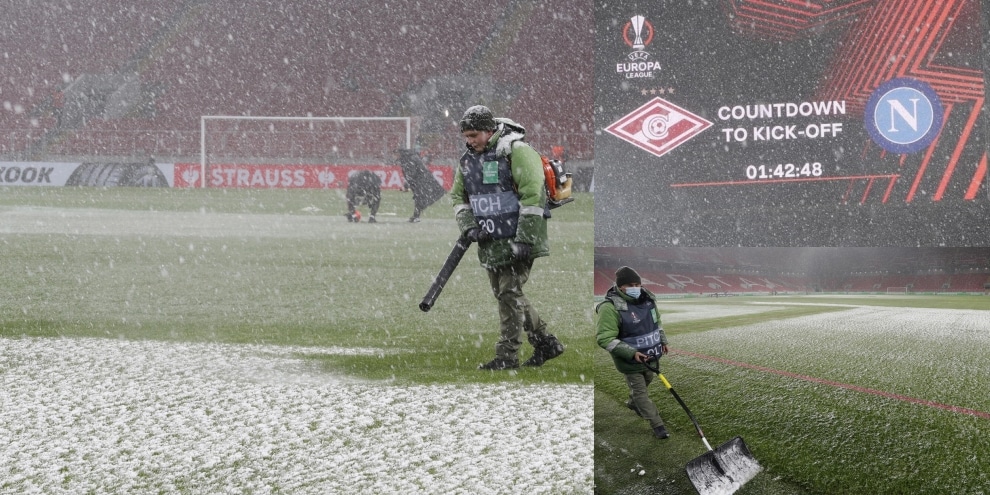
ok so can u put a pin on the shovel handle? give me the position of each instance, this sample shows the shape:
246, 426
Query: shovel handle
681, 402
665, 382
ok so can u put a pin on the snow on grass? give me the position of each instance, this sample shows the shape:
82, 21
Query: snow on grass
968, 329
113, 416
926, 353
674, 311
94, 221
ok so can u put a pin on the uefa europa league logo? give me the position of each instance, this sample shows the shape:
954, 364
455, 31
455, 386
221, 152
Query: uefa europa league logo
637, 25
640, 27
637, 33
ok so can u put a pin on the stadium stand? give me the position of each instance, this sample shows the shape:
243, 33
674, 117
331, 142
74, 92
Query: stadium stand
972, 282
710, 271
701, 283
137, 78
541, 62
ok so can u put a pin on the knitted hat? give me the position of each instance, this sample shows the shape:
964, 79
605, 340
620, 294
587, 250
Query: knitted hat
478, 118
626, 276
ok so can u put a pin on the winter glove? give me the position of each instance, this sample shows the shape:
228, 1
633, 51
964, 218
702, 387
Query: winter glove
477, 235
521, 251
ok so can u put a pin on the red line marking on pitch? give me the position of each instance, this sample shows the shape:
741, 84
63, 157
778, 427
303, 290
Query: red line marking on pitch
847, 386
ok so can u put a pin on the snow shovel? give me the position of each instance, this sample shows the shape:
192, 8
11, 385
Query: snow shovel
719, 471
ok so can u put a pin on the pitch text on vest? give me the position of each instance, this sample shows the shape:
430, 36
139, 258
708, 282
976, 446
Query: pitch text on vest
486, 204
650, 339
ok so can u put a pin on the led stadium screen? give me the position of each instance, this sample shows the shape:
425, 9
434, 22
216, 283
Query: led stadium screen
782, 123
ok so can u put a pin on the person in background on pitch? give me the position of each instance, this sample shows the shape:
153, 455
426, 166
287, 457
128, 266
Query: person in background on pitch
363, 187
425, 188
629, 328
500, 203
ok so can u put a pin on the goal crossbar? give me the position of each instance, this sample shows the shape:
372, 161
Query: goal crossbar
204, 118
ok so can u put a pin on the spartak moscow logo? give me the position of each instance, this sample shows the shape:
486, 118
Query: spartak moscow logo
658, 127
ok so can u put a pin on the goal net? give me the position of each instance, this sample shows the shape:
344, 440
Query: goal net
240, 151
897, 290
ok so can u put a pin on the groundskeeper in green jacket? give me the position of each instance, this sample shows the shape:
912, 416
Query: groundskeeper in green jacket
609, 331
506, 148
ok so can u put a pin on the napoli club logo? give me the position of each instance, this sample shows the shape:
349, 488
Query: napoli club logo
903, 115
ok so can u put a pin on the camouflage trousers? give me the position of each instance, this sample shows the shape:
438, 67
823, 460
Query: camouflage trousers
516, 314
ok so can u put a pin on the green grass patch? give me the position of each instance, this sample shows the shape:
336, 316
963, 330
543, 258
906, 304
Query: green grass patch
261, 266
703, 325
812, 438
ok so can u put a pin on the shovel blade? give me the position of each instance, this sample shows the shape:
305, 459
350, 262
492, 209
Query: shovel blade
724, 470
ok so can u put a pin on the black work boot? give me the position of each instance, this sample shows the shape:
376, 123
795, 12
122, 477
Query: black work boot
660, 432
544, 350
500, 364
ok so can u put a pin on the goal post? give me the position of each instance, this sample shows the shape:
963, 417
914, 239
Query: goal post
897, 290
296, 138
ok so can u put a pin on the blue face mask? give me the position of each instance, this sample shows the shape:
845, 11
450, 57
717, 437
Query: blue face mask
633, 292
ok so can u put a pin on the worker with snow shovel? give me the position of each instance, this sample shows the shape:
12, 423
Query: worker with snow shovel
629, 328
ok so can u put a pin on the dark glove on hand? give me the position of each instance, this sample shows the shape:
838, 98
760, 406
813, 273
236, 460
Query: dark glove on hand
477, 235
521, 251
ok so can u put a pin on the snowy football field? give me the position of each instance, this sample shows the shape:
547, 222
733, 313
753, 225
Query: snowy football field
89, 415
870, 394
256, 342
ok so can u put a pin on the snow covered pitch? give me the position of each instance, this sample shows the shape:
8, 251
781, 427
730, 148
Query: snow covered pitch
254, 341
111, 416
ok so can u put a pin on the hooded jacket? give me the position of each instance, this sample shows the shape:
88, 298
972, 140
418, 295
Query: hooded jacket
609, 331
525, 167
425, 188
